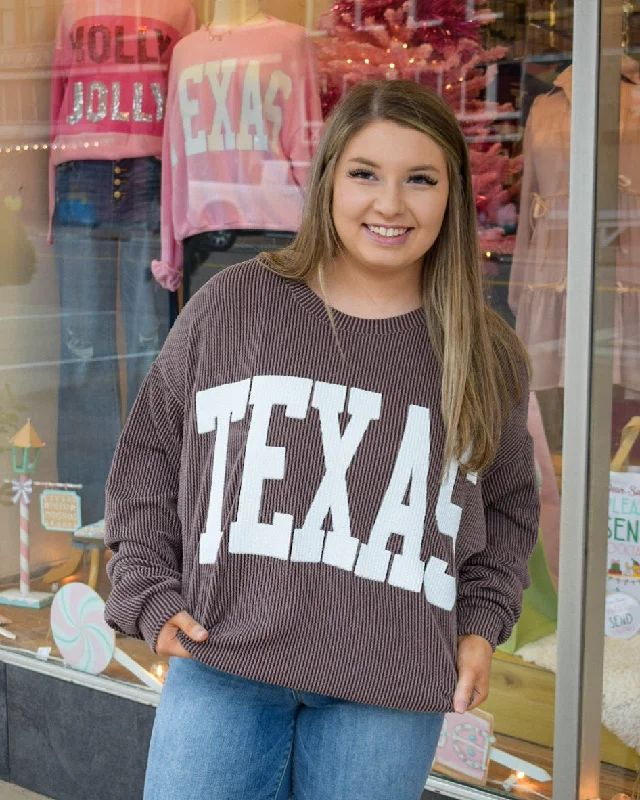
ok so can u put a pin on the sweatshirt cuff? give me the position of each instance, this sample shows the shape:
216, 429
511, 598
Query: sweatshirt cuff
482, 621
156, 612
167, 276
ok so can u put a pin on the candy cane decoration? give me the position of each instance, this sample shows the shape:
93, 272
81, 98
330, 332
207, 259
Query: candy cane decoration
25, 581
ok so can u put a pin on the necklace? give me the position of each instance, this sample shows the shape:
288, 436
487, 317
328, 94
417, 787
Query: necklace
216, 37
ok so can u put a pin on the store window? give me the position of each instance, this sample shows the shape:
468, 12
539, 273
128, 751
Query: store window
111, 217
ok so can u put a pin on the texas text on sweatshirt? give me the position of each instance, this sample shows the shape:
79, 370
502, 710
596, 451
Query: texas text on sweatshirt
290, 500
243, 114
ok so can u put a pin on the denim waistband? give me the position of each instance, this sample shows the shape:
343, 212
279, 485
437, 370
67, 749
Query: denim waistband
109, 194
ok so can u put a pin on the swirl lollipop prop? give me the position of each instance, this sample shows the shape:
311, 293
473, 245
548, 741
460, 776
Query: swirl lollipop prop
83, 637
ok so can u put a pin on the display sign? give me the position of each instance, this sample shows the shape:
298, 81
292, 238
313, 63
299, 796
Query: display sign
623, 562
60, 510
622, 616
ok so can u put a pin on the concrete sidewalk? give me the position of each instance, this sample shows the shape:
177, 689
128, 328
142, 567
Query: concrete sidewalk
8, 791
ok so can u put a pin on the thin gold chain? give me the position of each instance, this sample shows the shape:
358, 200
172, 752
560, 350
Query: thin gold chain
215, 37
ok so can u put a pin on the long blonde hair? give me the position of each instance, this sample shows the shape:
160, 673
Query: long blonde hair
483, 362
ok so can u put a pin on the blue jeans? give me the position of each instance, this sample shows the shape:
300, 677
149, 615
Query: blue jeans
103, 243
222, 737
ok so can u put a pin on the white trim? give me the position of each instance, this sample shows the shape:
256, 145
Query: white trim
98, 682
458, 791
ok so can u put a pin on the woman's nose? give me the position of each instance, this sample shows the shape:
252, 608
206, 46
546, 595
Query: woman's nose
389, 200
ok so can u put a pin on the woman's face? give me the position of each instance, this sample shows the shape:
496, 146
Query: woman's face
389, 198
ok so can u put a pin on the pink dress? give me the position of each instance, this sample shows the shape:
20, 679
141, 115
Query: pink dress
537, 291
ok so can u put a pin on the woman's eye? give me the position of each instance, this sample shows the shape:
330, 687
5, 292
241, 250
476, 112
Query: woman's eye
424, 180
364, 174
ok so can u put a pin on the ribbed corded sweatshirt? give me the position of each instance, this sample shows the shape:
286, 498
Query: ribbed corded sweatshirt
286, 492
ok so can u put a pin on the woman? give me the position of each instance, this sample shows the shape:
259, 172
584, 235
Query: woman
324, 500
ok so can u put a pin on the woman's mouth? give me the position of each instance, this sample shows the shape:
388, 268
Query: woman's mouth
383, 234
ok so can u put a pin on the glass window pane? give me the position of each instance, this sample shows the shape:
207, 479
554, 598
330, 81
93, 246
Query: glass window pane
85, 110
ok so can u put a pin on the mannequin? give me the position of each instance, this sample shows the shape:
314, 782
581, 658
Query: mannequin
233, 13
110, 76
241, 140
538, 275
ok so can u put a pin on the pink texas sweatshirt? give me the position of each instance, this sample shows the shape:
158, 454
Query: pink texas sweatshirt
243, 115
110, 75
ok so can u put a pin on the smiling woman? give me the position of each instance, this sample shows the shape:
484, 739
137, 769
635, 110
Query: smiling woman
388, 212
393, 156
307, 638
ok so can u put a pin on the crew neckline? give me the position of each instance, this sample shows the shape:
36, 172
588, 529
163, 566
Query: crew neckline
207, 28
311, 302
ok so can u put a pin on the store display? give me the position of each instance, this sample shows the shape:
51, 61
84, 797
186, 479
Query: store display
26, 446
109, 86
84, 638
243, 114
537, 293
623, 571
241, 92
59, 508
622, 616
621, 689
623, 563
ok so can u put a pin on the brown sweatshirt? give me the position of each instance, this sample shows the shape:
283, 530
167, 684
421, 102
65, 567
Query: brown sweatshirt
288, 496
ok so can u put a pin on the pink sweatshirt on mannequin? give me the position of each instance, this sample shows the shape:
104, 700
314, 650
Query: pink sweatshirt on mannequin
243, 115
110, 76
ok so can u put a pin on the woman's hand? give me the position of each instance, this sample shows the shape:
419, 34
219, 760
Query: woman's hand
168, 643
474, 667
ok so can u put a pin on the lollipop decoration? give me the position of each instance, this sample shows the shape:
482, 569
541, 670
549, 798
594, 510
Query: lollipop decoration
83, 637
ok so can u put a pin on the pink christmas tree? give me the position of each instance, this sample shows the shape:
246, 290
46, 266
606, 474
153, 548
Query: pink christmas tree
436, 43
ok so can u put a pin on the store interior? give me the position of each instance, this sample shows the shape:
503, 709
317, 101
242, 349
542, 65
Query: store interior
506, 69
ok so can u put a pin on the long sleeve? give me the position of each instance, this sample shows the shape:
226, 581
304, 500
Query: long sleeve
524, 233
304, 137
142, 524
491, 583
168, 271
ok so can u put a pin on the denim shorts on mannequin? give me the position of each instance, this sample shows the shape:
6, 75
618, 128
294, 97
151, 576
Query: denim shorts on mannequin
106, 232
